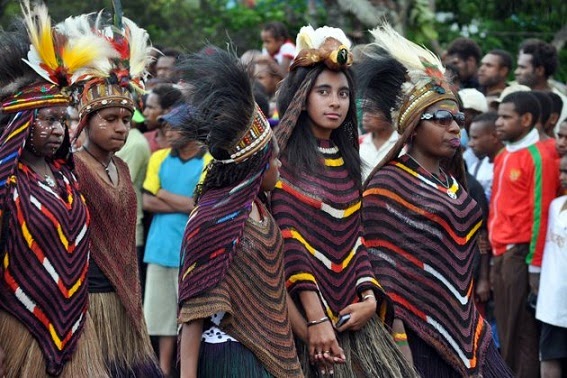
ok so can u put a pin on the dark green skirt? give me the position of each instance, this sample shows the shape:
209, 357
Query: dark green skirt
229, 360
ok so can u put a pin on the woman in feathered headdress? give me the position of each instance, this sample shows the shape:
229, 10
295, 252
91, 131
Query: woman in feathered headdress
231, 285
420, 223
317, 205
106, 103
45, 329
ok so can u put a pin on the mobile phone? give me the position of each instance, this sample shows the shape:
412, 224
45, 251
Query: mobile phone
342, 320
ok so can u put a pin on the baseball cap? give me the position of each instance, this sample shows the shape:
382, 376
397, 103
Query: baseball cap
178, 116
473, 99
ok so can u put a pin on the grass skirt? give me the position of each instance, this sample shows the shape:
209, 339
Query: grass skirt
24, 357
127, 351
370, 352
229, 359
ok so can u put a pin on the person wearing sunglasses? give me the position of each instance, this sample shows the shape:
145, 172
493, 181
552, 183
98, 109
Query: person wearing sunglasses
420, 223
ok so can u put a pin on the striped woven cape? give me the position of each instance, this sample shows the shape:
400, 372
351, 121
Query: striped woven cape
45, 248
319, 215
421, 244
253, 296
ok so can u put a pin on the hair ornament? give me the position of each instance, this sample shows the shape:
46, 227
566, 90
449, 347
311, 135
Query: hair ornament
256, 136
326, 44
67, 53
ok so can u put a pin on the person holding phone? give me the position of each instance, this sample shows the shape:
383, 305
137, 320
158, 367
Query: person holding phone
317, 205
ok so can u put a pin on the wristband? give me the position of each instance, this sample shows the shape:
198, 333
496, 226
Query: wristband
401, 338
315, 322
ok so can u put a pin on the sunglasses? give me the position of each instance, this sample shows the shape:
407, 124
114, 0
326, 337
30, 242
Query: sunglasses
445, 118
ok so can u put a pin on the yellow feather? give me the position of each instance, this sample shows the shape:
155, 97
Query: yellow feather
78, 57
40, 33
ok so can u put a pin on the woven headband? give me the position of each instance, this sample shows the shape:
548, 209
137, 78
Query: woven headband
257, 135
34, 97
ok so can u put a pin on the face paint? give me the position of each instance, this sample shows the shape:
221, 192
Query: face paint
103, 125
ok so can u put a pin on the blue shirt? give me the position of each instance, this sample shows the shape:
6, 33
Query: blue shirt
169, 172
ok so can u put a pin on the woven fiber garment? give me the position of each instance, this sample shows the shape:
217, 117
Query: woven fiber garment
420, 238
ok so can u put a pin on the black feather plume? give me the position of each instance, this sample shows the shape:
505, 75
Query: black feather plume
379, 79
221, 93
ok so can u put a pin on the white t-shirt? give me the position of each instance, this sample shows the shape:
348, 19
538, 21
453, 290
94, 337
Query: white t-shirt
214, 335
552, 296
287, 50
370, 156
483, 172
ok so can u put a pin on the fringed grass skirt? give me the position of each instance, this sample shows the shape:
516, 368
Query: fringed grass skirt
25, 359
370, 352
127, 351
229, 359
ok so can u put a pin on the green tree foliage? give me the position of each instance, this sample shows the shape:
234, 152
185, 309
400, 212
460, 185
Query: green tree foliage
188, 24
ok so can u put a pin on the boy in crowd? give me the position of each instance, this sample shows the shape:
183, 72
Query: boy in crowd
525, 183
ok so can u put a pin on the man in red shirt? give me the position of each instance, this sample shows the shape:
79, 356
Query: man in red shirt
525, 183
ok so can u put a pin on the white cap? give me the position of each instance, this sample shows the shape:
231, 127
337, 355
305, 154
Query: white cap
511, 89
473, 99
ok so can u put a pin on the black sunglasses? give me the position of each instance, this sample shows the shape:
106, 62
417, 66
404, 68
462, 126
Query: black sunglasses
445, 117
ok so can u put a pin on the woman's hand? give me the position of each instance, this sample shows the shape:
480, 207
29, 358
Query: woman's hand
324, 349
360, 314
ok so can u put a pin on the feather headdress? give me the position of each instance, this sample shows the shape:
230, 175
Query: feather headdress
326, 44
68, 53
131, 44
426, 82
124, 75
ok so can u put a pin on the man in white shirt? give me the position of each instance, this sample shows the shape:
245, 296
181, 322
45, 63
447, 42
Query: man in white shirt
379, 139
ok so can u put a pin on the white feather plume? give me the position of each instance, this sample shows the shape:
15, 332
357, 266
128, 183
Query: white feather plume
140, 48
309, 38
411, 55
81, 33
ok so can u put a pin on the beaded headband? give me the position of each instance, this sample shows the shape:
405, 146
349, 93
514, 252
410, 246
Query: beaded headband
418, 99
100, 94
258, 134
33, 97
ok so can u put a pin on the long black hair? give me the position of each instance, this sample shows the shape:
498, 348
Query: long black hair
301, 150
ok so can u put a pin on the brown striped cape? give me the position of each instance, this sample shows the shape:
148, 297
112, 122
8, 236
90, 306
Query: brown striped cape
421, 245
253, 295
319, 215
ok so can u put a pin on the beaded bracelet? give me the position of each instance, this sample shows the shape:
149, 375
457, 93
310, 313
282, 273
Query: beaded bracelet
315, 322
401, 338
